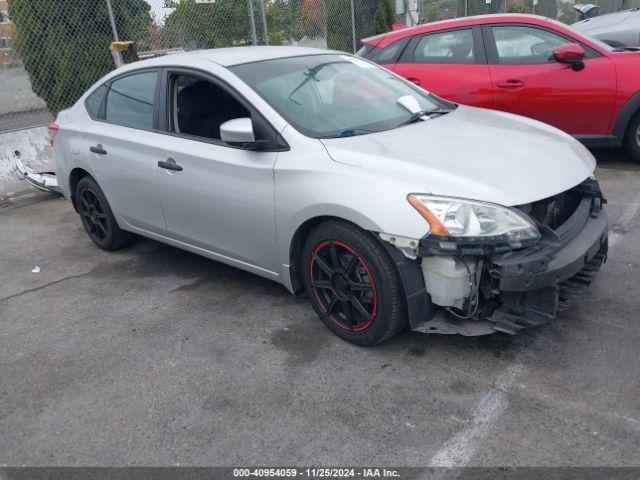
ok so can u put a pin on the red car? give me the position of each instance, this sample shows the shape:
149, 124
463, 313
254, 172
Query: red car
523, 64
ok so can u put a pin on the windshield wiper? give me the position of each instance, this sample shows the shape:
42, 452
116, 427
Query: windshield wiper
310, 74
350, 132
425, 113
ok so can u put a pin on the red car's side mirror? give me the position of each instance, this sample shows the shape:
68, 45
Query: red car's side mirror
571, 53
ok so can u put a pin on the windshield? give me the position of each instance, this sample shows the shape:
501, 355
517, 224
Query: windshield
335, 95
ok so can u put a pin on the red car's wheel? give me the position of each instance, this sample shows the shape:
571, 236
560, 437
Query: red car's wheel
352, 284
632, 139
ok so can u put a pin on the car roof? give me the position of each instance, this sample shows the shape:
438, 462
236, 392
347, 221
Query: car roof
230, 56
390, 37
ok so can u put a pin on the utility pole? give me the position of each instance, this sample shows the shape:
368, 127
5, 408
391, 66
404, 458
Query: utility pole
353, 26
252, 22
113, 22
264, 23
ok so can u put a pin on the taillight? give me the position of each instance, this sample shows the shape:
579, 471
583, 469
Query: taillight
52, 130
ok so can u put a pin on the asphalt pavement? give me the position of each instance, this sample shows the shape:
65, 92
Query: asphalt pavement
154, 356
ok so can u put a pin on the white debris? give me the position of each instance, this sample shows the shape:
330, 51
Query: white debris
36, 269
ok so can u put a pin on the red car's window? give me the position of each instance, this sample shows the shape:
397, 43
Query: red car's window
447, 47
518, 45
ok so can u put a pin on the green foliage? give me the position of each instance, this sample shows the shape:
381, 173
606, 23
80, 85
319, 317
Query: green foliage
547, 8
220, 24
518, 8
64, 44
285, 16
439, 10
371, 18
567, 14
479, 7
277, 38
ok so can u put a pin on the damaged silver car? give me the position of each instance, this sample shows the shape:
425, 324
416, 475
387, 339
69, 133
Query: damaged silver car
388, 206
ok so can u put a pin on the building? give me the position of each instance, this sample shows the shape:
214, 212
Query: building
8, 56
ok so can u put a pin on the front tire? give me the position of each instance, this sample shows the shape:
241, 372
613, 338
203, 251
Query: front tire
353, 284
632, 139
97, 218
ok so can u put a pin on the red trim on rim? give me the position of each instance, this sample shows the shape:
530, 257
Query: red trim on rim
323, 303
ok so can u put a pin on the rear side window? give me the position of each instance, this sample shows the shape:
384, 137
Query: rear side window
390, 53
94, 101
130, 100
447, 47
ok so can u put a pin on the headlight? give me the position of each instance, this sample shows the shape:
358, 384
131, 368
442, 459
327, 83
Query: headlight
455, 217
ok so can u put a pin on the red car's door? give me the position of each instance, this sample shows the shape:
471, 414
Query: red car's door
527, 81
451, 63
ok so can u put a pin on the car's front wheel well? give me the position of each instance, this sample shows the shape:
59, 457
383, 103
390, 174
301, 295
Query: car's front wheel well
631, 139
74, 177
297, 243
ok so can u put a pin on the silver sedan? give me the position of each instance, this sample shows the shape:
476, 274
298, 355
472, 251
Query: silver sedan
387, 205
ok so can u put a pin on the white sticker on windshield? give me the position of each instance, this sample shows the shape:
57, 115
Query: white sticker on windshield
357, 62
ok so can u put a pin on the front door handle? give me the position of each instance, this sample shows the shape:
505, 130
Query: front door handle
415, 81
98, 149
170, 164
511, 84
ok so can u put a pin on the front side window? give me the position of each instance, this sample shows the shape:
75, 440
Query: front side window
525, 45
334, 95
130, 100
200, 106
4, 18
446, 47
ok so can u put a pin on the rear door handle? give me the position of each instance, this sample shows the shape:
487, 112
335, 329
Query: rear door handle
170, 164
98, 149
511, 84
415, 81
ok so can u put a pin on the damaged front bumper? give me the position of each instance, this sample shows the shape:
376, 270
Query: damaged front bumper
515, 288
534, 285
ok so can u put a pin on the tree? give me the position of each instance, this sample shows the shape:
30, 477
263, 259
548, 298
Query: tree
194, 25
371, 18
518, 8
567, 14
64, 44
479, 7
439, 10
313, 21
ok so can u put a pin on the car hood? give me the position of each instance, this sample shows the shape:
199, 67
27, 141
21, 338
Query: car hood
472, 153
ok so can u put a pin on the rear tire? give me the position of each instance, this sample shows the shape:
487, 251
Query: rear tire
632, 139
353, 284
97, 217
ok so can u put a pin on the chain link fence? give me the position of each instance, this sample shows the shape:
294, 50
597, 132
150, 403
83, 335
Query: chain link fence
51, 51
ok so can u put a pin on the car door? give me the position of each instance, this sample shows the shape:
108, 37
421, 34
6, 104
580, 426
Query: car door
120, 147
527, 81
451, 63
216, 197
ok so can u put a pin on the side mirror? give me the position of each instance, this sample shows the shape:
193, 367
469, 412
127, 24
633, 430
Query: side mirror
571, 53
238, 130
